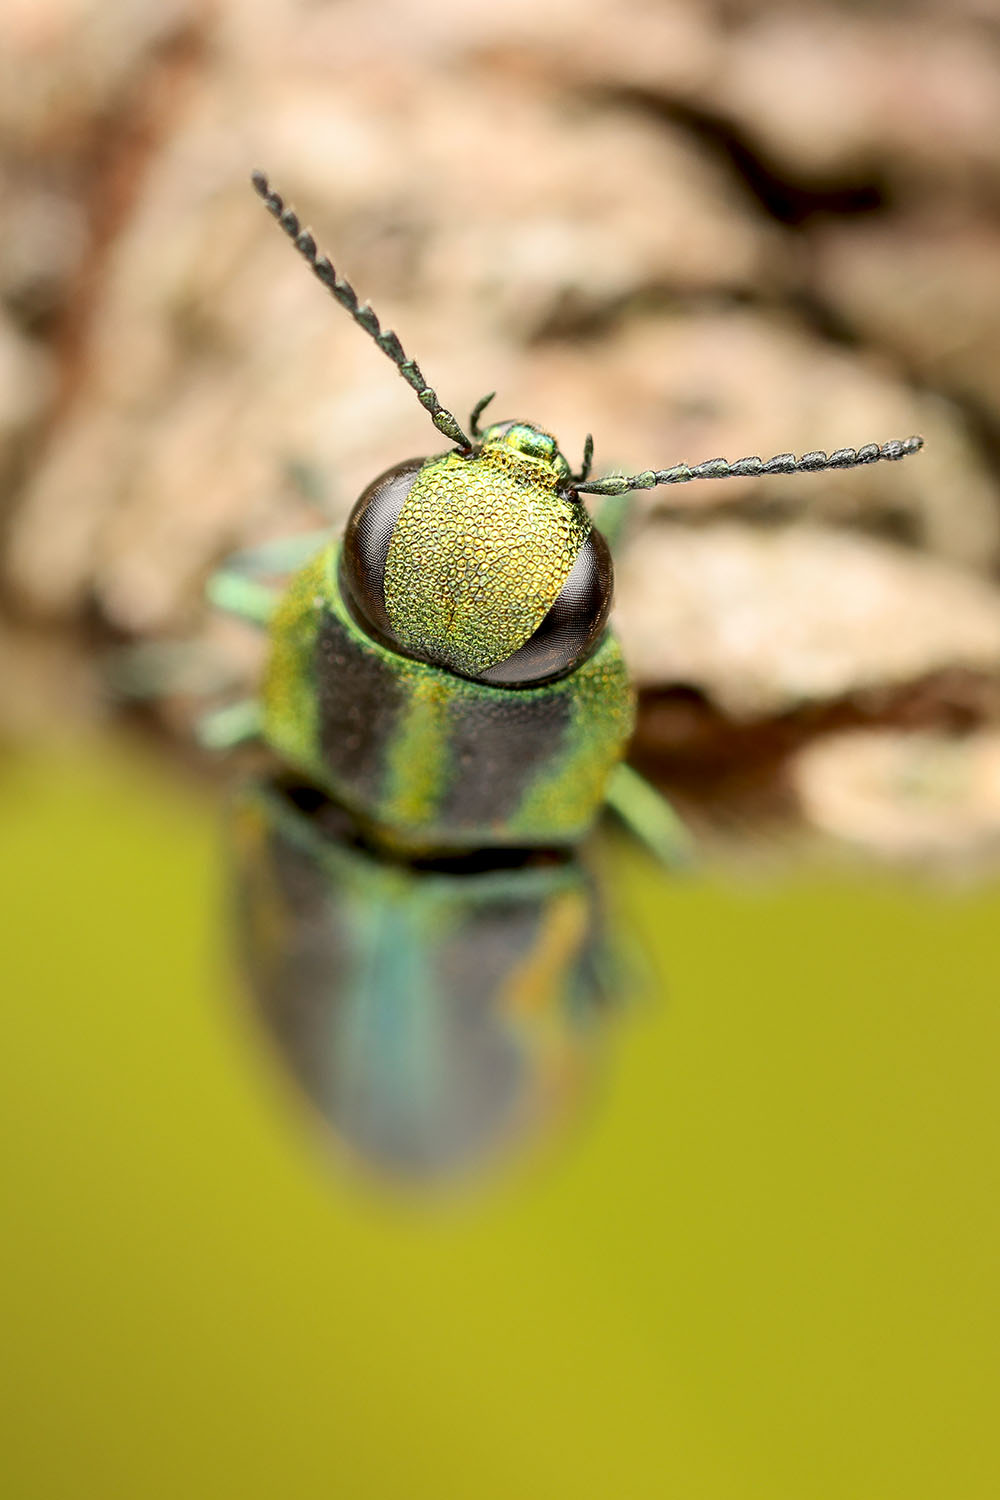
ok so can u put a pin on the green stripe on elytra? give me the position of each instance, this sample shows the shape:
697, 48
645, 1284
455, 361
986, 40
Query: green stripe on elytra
602, 718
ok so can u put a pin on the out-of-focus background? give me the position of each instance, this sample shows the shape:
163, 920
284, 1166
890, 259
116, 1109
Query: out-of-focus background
761, 1263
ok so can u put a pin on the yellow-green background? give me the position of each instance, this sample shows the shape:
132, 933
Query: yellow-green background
765, 1266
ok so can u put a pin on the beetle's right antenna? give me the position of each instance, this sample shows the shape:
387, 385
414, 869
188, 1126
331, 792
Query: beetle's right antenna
360, 311
782, 463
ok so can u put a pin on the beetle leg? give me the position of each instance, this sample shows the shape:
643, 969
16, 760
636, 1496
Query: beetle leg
232, 724
243, 597
283, 554
649, 817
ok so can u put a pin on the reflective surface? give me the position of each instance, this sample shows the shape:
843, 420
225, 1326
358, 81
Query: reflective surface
434, 1017
762, 1267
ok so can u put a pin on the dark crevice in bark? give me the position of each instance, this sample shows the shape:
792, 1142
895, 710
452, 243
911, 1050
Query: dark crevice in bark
716, 766
781, 197
793, 205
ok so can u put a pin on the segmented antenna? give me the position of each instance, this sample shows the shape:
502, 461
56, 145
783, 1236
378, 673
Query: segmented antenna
588, 459
782, 463
360, 312
477, 412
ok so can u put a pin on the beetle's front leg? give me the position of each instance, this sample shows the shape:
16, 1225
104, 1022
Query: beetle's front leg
246, 598
236, 587
231, 725
649, 816
283, 554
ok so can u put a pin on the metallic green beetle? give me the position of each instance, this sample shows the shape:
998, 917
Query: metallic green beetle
446, 672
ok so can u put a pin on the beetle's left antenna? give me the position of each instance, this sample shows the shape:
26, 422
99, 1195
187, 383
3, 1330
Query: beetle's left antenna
360, 312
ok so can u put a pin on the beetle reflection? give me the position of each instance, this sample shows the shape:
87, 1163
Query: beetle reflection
437, 1016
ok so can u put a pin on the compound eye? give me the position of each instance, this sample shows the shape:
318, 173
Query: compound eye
572, 627
366, 545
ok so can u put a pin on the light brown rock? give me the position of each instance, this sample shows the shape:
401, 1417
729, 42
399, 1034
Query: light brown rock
763, 622
905, 796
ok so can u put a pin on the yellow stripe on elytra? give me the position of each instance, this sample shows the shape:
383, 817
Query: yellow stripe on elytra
288, 691
418, 762
602, 715
532, 983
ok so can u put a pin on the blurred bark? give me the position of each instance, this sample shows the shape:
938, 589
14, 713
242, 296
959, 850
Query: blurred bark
695, 228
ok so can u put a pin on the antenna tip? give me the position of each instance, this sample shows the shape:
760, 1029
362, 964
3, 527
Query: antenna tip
261, 183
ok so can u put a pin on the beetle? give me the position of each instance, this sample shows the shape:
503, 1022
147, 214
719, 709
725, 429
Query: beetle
445, 670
